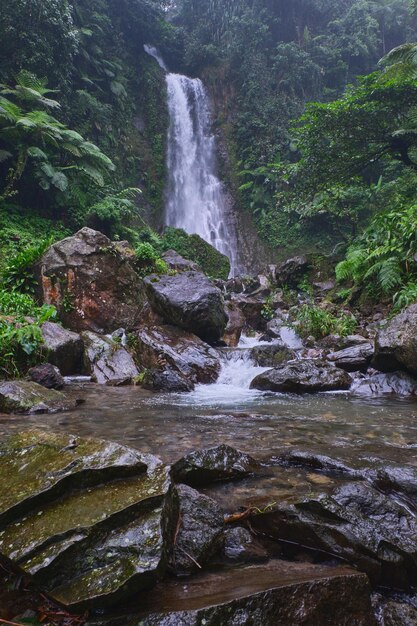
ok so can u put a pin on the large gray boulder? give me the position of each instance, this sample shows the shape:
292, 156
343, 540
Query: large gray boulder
396, 343
108, 361
89, 522
24, 396
91, 283
168, 347
65, 348
307, 376
190, 301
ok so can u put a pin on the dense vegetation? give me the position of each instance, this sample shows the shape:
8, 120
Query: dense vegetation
83, 122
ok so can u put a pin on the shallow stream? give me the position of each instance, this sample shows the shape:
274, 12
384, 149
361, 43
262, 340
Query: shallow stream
357, 431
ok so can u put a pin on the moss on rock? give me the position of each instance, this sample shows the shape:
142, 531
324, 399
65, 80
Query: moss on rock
194, 248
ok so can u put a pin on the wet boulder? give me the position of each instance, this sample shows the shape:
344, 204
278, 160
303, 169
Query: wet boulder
162, 347
397, 613
251, 308
91, 283
291, 271
199, 532
108, 362
24, 396
396, 343
234, 326
167, 380
274, 326
306, 376
335, 343
356, 523
65, 348
176, 262
47, 375
272, 355
267, 594
89, 522
392, 384
202, 467
190, 301
240, 546
353, 359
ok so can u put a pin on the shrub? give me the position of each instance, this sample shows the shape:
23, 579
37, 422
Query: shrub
148, 260
18, 272
316, 322
21, 340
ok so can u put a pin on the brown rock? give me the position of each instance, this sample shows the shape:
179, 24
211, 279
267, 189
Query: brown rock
91, 283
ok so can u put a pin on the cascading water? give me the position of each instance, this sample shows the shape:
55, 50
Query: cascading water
196, 200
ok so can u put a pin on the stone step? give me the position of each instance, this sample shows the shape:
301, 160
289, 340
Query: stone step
40, 467
76, 514
278, 592
90, 521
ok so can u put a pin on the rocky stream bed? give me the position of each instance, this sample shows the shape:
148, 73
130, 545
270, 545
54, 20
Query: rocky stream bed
181, 459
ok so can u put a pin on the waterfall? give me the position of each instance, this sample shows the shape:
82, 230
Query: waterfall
196, 200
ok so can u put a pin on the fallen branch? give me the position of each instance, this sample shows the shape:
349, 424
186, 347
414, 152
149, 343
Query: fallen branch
190, 557
239, 517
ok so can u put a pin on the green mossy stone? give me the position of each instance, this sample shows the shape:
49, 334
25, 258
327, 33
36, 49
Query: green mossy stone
194, 248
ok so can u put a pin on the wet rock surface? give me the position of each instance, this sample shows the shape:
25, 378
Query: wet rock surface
90, 521
271, 594
397, 613
234, 326
167, 380
202, 467
65, 348
191, 302
353, 359
23, 396
250, 308
159, 347
291, 271
199, 532
396, 343
272, 355
176, 262
47, 375
240, 546
91, 283
307, 376
107, 360
394, 384
356, 523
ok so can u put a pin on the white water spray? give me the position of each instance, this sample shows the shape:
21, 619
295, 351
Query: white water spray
196, 199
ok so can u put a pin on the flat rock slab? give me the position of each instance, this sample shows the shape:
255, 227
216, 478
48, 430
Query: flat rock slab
23, 396
91, 522
270, 594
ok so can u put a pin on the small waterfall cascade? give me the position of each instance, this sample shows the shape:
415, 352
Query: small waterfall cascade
196, 199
